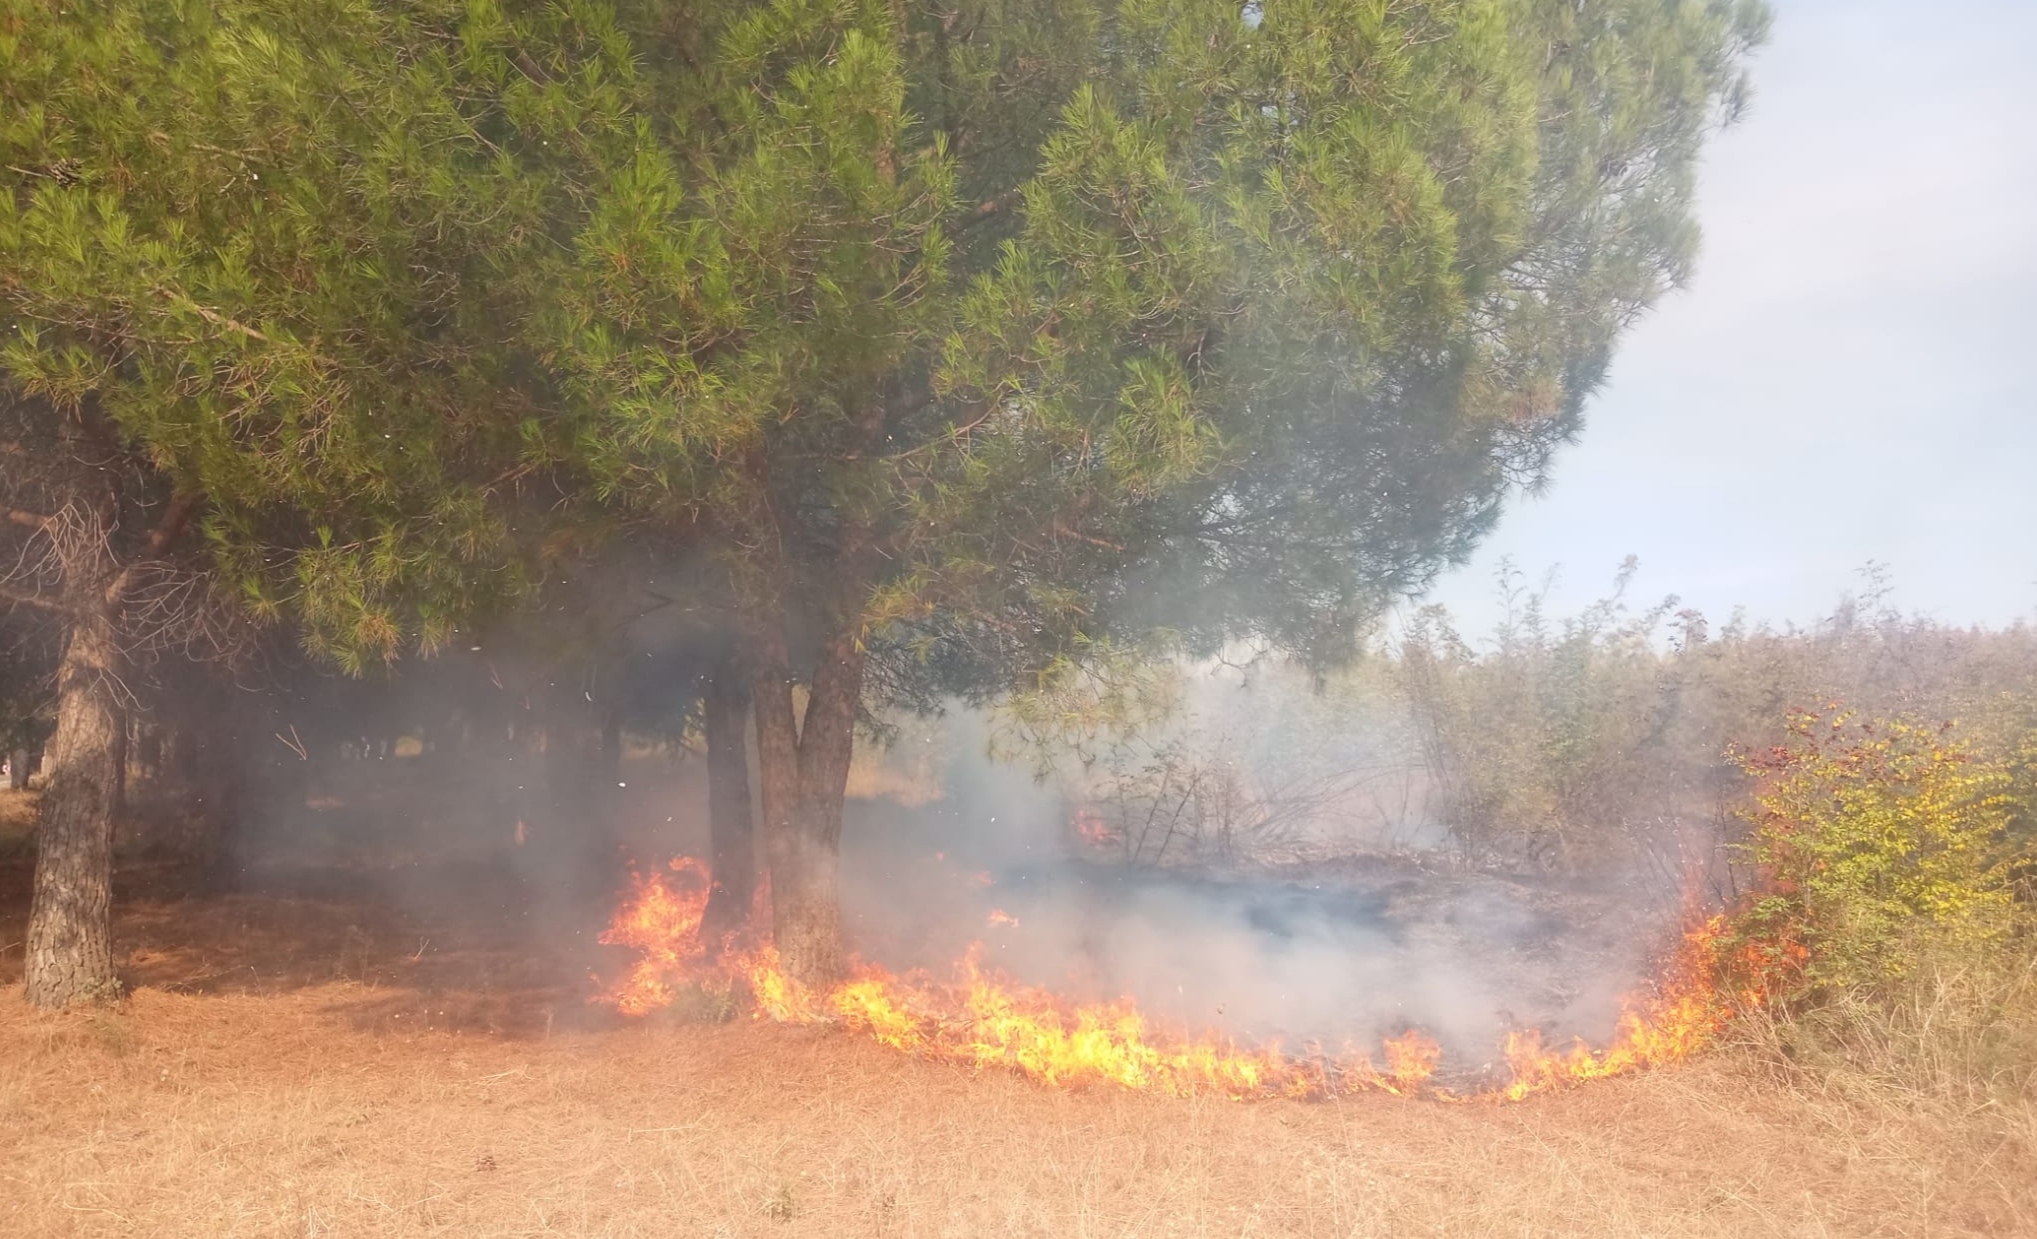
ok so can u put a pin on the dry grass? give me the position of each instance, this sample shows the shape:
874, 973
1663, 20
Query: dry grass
17, 813
325, 1066
278, 1114
331, 1109
1954, 1038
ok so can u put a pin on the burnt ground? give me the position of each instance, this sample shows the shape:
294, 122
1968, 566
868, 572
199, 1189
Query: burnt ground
446, 923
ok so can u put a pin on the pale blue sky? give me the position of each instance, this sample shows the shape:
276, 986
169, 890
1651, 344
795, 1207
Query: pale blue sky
1852, 374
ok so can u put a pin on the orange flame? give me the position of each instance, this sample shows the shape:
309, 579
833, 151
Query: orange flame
981, 1020
1003, 919
1683, 1017
661, 919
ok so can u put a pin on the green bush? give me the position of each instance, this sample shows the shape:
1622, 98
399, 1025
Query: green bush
1896, 952
1880, 844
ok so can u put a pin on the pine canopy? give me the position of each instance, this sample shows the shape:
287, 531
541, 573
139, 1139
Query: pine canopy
984, 327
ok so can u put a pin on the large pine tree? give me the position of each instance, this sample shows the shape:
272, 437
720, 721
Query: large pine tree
974, 334
966, 333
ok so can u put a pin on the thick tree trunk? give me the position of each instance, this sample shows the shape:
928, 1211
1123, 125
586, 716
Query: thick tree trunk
17, 769
798, 928
70, 939
118, 799
805, 772
725, 707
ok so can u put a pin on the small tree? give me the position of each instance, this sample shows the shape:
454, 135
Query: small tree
91, 536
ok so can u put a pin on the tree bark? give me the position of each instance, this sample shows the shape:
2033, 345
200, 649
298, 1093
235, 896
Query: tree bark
70, 933
17, 769
795, 927
804, 766
117, 801
70, 919
732, 835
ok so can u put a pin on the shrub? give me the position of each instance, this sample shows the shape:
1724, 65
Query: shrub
1881, 844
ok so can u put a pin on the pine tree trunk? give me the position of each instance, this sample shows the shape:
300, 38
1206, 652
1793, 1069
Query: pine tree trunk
601, 797
148, 752
70, 938
805, 773
118, 799
577, 805
725, 706
798, 929
224, 859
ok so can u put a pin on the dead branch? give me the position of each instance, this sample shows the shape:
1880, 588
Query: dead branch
215, 317
12, 598
173, 522
170, 609
175, 518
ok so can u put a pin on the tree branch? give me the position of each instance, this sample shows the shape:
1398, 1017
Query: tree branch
175, 518
33, 520
948, 434
987, 208
215, 317
12, 598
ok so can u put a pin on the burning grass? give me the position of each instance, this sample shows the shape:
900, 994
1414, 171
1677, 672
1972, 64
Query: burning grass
296, 1064
983, 1020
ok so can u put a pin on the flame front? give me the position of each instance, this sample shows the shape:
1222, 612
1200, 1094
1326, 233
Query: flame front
661, 919
981, 1020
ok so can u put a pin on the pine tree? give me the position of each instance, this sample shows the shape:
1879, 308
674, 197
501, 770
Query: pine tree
968, 336
244, 311
974, 336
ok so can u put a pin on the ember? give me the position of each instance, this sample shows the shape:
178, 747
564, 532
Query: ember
1093, 830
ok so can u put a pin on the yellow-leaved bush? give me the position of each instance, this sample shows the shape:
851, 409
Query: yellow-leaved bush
1882, 843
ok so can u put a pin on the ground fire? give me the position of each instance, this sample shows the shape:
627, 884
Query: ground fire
981, 1019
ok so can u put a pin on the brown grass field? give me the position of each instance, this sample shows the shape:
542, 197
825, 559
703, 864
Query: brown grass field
304, 1063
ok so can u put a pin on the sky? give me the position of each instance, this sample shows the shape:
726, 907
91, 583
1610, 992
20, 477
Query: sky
1851, 374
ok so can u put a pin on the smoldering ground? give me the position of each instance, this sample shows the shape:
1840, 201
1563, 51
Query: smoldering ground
1332, 932
1336, 950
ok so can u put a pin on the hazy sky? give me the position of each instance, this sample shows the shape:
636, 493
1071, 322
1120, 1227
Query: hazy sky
1852, 373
